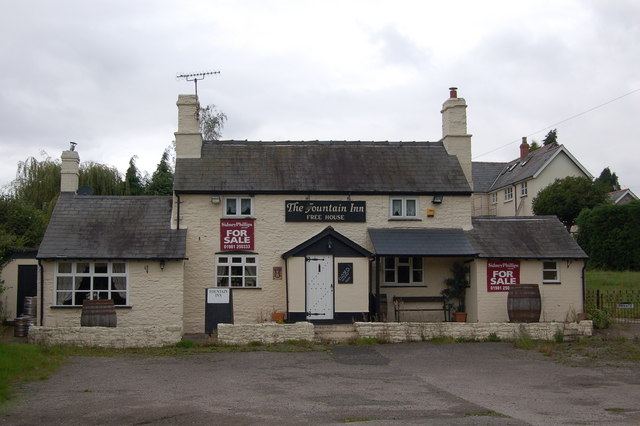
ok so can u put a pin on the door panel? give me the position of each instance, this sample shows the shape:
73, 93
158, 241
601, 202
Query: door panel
319, 285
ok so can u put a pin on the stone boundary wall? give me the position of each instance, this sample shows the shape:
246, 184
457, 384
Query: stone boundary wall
268, 332
396, 332
106, 337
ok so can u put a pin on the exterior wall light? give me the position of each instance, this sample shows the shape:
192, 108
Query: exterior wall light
437, 199
215, 199
162, 264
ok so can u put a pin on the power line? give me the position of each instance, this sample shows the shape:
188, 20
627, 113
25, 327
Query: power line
559, 122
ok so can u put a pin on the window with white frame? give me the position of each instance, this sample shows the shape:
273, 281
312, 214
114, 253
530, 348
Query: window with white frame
238, 206
237, 270
508, 194
494, 198
77, 281
550, 272
404, 207
523, 189
403, 270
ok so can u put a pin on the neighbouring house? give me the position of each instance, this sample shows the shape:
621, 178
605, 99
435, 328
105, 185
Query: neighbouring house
320, 231
19, 279
508, 189
622, 196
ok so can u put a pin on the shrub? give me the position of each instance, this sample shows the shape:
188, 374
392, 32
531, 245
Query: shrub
601, 318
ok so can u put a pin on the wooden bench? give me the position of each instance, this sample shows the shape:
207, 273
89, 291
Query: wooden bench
399, 300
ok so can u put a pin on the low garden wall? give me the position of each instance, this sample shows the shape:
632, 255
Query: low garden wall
106, 337
268, 332
396, 332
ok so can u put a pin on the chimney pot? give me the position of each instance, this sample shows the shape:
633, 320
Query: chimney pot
524, 148
453, 92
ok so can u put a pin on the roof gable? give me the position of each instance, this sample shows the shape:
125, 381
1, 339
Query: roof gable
321, 167
329, 242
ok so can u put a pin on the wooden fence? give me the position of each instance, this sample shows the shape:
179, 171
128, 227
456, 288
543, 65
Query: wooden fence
623, 305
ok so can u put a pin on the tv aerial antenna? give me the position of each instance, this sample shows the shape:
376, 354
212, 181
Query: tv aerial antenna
196, 76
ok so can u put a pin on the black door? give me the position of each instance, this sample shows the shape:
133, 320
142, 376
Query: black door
27, 285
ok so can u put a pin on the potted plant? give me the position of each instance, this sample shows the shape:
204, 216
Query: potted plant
456, 289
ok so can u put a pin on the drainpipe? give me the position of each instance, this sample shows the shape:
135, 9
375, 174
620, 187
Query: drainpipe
584, 284
378, 288
41, 292
515, 200
178, 218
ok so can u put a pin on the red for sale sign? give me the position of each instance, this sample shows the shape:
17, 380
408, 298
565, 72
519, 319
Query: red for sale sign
502, 274
236, 234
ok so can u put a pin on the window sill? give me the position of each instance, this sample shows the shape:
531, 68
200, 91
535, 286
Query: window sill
415, 219
239, 217
403, 285
80, 306
507, 201
551, 282
243, 288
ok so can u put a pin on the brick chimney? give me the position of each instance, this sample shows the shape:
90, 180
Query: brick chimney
188, 136
70, 170
455, 138
524, 148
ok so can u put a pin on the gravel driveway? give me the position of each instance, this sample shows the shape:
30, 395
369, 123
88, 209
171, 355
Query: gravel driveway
419, 383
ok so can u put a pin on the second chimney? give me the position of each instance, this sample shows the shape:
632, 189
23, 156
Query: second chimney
524, 148
70, 170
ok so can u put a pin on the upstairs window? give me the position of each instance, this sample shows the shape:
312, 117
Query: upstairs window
403, 208
508, 194
494, 198
403, 270
238, 206
550, 272
523, 189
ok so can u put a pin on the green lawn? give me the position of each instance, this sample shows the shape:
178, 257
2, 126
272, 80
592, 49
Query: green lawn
613, 280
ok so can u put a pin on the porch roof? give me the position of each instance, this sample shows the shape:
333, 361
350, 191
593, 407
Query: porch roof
421, 242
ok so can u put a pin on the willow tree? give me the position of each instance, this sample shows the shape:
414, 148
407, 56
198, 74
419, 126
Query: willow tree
37, 183
103, 179
211, 122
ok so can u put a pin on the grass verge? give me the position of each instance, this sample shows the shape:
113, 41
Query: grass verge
612, 280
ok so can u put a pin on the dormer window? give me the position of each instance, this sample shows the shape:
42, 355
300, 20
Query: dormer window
238, 206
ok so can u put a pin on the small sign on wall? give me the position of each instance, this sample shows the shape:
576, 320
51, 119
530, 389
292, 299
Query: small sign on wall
277, 272
345, 273
502, 274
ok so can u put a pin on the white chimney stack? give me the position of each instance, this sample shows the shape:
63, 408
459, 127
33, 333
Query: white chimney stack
188, 136
70, 170
454, 131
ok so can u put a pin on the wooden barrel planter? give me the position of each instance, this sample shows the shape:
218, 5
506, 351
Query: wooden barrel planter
523, 303
98, 313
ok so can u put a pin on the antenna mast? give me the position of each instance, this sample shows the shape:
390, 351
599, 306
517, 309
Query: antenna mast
196, 76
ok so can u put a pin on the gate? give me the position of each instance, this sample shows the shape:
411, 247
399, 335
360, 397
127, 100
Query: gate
622, 305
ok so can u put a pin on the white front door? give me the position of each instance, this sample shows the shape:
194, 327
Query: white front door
319, 287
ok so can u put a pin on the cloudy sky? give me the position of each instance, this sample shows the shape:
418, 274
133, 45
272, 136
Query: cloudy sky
103, 74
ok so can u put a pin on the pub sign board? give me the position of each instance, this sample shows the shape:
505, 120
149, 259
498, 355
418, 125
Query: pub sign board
502, 274
236, 234
325, 211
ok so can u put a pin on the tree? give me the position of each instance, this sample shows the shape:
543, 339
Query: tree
37, 183
133, 182
21, 226
534, 145
610, 235
103, 179
551, 138
609, 180
211, 122
161, 182
566, 197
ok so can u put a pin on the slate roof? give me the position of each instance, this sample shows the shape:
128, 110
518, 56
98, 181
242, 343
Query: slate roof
321, 167
617, 196
101, 227
533, 237
421, 241
489, 177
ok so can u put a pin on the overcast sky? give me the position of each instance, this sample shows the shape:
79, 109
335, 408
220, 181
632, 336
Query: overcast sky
103, 74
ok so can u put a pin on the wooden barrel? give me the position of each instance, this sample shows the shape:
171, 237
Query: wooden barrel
523, 303
20, 327
98, 313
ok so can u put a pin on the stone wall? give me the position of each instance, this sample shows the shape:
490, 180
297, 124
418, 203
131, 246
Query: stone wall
269, 332
413, 331
106, 337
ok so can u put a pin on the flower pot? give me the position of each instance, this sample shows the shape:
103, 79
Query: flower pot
277, 317
460, 316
